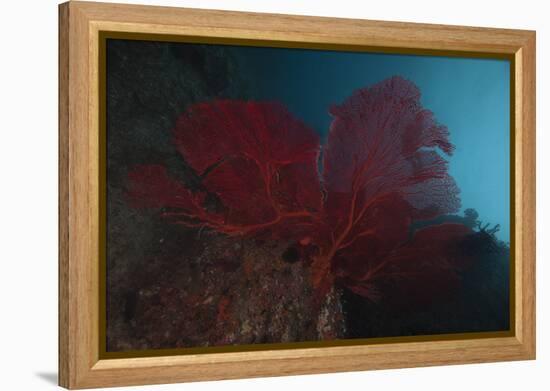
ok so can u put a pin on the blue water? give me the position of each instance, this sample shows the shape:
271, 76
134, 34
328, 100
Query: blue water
470, 96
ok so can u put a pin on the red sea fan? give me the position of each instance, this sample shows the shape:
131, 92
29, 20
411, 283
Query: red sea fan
382, 141
414, 273
259, 161
381, 171
151, 187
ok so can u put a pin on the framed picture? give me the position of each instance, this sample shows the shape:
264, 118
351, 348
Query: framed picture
248, 195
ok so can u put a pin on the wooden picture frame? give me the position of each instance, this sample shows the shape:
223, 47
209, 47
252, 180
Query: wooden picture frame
81, 364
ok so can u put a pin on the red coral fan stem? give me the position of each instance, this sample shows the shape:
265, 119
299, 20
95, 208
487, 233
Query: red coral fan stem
366, 232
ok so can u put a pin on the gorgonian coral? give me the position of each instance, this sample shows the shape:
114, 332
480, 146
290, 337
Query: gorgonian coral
381, 169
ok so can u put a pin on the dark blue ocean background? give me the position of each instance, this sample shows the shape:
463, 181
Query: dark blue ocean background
470, 96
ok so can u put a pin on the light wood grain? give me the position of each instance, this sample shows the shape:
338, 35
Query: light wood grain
525, 137
78, 209
80, 23
64, 353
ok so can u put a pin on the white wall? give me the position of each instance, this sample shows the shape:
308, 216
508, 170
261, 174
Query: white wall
28, 193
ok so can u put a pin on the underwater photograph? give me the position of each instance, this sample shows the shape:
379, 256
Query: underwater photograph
265, 195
